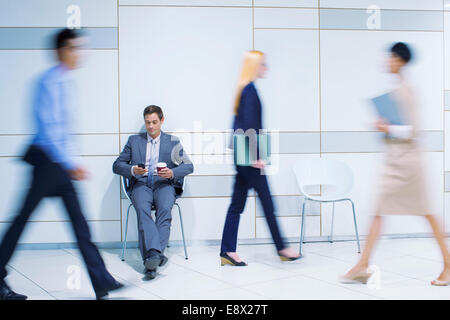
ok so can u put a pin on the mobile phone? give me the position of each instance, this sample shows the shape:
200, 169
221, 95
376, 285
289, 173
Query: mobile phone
141, 165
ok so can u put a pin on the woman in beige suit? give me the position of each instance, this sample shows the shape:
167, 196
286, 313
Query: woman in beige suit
403, 183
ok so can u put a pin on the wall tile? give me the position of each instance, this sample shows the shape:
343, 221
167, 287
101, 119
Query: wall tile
99, 196
286, 18
62, 232
229, 3
389, 20
350, 79
374, 141
53, 13
290, 206
384, 4
289, 87
447, 49
212, 40
287, 3
289, 226
96, 83
42, 38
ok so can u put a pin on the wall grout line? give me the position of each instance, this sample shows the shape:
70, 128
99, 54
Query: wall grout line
443, 118
253, 45
211, 132
271, 7
320, 110
345, 29
118, 106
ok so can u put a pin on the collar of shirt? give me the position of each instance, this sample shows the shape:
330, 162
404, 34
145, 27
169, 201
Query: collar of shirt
63, 73
150, 139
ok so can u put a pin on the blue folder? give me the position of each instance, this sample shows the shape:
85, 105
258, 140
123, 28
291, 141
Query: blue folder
388, 109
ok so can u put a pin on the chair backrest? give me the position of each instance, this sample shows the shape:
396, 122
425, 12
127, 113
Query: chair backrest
334, 175
125, 182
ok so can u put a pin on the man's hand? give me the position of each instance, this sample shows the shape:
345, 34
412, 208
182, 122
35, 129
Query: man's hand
259, 164
79, 173
166, 173
139, 171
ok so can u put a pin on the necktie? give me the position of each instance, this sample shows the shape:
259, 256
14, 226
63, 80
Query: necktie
152, 163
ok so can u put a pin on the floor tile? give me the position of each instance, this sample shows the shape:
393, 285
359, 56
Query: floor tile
305, 288
22, 285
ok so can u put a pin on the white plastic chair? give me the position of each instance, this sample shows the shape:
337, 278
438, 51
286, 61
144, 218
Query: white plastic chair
336, 180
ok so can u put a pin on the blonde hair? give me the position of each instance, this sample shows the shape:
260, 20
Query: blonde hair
252, 60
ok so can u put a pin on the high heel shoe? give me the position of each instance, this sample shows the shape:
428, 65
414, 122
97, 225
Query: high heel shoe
226, 259
361, 276
440, 283
286, 258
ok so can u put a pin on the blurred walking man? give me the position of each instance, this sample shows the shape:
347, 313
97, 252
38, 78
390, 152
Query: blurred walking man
54, 167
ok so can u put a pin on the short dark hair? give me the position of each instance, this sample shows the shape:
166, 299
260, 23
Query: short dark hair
401, 50
152, 109
63, 35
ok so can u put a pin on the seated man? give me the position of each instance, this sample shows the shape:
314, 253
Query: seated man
138, 162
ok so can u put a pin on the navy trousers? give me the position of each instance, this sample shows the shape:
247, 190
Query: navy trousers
51, 180
247, 178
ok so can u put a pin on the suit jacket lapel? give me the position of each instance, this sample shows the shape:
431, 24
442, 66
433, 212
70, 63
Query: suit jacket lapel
162, 146
143, 147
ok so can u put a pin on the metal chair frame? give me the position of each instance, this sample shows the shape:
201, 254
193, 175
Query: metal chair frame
124, 182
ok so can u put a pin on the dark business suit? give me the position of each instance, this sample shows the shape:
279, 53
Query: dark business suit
249, 117
161, 192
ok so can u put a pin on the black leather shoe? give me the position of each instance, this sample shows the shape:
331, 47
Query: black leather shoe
164, 260
7, 294
99, 294
152, 262
150, 274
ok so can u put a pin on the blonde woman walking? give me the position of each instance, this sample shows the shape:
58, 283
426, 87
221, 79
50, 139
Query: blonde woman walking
248, 115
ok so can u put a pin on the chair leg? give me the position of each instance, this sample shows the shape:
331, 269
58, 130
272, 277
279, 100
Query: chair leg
302, 228
182, 231
124, 245
356, 227
332, 225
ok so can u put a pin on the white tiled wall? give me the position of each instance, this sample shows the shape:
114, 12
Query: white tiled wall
185, 56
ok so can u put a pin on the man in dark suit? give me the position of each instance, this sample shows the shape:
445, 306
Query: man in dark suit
138, 162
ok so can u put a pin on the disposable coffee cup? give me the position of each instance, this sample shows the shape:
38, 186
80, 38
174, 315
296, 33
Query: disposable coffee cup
160, 166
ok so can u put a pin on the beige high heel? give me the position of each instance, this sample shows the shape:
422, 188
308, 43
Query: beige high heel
357, 277
440, 283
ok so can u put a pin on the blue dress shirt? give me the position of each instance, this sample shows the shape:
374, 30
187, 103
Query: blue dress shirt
53, 102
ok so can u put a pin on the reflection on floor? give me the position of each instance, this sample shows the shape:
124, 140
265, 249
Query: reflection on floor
406, 267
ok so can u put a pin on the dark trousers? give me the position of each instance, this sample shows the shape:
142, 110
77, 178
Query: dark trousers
51, 180
246, 178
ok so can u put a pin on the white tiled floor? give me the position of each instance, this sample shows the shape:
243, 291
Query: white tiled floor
406, 268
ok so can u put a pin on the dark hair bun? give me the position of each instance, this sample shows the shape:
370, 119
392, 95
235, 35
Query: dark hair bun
402, 50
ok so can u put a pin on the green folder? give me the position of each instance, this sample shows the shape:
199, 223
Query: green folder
242, 154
